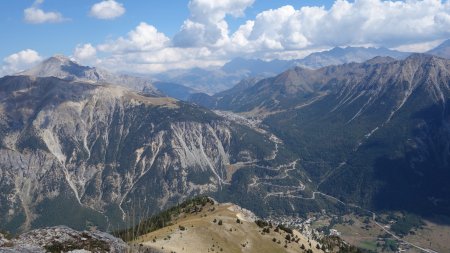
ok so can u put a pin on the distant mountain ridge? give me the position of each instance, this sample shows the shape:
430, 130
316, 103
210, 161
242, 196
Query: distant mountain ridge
174, 90
217, 80
339, 55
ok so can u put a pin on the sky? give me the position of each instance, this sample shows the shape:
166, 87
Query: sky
151, 36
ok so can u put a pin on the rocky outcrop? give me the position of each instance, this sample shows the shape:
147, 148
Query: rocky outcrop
62, 239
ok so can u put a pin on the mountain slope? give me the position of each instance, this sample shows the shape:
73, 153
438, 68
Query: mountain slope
222, 99
67, 69
374, 133
174, 90
443, 50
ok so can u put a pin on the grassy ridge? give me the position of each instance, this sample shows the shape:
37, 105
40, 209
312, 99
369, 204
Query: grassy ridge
163, 218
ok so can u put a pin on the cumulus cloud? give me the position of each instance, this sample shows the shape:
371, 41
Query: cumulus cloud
35, 15
204, 38
19, 61
145, 49
108, 9
144, 37
86, 54
206, 24
362, 22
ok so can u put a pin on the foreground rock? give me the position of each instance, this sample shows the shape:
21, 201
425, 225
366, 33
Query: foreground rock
62, 239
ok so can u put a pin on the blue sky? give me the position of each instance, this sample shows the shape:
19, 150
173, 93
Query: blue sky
151, 36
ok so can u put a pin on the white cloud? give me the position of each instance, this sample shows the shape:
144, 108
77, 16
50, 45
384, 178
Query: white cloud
144, 49
35, 15
206, 24
108, 9
143, 38
85, 54
19, 61
420, 47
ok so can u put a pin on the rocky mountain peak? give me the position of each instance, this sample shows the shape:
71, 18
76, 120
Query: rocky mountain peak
59, 57
62, 67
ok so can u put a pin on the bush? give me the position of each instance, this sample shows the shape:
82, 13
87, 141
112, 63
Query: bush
285, 229
288, 237
261, 223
